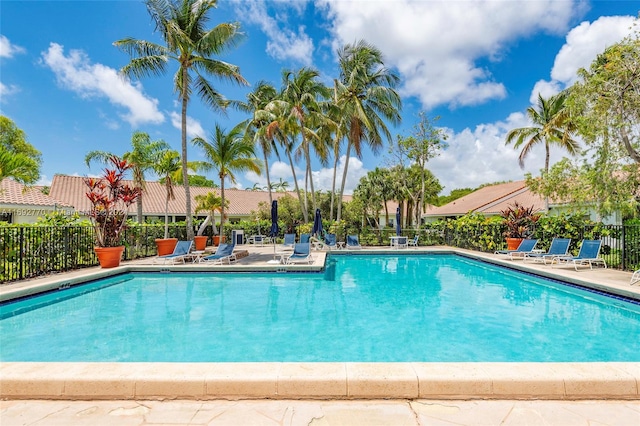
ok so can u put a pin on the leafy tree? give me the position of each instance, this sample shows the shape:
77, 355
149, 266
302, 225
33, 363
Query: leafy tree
210, 203
606, 100
229, 153
187, 42
424, 144
453, 195
18, 158
365, 92
142, 158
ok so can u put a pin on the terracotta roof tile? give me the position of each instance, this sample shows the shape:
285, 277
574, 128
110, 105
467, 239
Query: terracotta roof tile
12, 192
490, 199
72, 189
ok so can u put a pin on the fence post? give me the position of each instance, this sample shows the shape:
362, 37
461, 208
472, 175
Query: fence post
624, 246
21, 251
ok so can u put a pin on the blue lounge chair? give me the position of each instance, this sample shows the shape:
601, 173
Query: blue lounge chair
635, 278
559, 247
301, 253
304, 238
588, 255
353, 242
526, 246
180, 253
289, 240
330, 241
224, 253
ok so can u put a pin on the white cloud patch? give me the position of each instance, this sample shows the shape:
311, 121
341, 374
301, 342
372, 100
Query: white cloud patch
283, 43
479, 156
7, 49
6, 90
322, 179
582, 46
76, 73
437, 46
194, 128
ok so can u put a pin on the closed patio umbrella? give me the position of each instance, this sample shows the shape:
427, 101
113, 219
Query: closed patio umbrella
398, 226
273, 232
317, 224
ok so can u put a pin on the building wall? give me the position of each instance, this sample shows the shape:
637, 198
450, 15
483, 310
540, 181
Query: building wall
23, 213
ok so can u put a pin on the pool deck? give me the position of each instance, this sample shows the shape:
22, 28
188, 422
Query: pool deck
412, 393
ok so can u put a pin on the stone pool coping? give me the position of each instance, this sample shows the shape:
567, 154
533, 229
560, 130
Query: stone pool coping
201, 381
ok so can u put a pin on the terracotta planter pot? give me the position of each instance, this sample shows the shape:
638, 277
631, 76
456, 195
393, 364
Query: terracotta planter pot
109, 257
216, 240
166, 245
200, 242
513, 243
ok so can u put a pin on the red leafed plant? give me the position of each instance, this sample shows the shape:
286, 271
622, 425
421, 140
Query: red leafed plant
110, 199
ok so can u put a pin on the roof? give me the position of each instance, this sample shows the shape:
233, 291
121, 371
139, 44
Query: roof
490, 200
72, 190
12, 192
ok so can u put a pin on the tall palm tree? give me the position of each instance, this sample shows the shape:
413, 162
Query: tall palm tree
229, 153
257, 100
143, 157
303, 93
366, 94
552, 125
211, 203
187, 42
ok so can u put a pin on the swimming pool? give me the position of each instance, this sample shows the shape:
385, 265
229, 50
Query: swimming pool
392, 308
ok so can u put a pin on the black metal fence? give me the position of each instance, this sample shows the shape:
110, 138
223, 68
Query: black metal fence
30, 251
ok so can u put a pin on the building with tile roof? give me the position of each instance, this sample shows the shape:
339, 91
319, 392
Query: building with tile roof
492, 200
72, 190
23, 204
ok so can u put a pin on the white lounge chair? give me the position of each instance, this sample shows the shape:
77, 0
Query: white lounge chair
414, 242
180, 253
635, 278
223, 254
301, 253
588, 255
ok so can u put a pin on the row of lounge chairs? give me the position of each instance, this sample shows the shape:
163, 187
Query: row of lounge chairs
558, 253
182, 252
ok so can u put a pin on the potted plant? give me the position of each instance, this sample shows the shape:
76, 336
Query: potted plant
110, 199
520, 223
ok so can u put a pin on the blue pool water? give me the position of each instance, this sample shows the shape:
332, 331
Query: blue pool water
363, 308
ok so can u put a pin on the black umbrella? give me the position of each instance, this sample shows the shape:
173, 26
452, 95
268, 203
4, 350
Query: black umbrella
273, 232
317, 224
398, 227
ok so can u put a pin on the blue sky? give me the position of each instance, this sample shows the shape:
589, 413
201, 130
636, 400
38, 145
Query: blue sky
476, 64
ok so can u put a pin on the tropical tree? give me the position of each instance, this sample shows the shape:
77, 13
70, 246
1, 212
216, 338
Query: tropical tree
18, 158
169, 168
257, 100
229, 153
552, 125
367, 97
303, 93
187, 42
142, 158
211, 203
606, 100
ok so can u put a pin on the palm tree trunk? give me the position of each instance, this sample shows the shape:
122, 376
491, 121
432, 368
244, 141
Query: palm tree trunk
222, 208
313, 192
185, 174
166, 218
266, 166
546, 170
344, 180
333, 180
139, 208
305, 214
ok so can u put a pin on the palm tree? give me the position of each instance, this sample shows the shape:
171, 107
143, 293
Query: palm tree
303, 93
366, 94
551, 125
210, 203
229, 153
143, 157
188, 43
20, 167
257, 100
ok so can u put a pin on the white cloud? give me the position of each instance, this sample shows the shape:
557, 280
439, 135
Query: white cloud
323, 178
283, 42
76, 73
7, 49
583, 44
194, 128
6, 90
480, 156
437, 46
